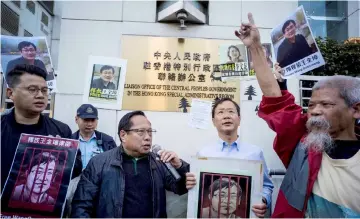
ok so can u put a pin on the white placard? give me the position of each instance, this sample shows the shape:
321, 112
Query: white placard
104, 86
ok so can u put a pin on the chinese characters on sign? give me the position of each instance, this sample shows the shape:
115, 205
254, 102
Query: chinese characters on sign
170, 70
171, 74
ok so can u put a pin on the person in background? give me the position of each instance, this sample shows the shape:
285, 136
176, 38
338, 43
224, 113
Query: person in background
319, 149
128, 181
92, 142
28, 56
226, 118
29, 93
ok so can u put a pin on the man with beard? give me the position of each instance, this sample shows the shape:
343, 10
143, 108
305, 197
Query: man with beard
320, 150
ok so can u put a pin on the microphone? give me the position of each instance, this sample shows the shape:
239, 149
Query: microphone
156, 148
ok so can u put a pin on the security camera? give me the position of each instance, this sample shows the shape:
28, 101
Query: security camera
182, 16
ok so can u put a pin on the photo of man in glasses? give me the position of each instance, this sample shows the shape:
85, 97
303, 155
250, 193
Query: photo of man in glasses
223, 198
28, 53
40, 174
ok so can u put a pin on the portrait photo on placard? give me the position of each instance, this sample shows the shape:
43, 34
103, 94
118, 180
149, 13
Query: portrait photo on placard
294, 45
224, 196
38, 181
104, 82
27, 50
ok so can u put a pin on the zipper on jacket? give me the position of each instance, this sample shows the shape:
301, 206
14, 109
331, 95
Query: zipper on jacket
152, 184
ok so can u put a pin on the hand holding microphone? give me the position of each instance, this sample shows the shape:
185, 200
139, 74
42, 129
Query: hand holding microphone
170, 159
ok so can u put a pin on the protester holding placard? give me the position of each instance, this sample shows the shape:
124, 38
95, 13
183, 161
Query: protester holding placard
29, 92
319, 149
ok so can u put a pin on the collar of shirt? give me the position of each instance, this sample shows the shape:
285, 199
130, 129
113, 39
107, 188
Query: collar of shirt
228, 147
82, 139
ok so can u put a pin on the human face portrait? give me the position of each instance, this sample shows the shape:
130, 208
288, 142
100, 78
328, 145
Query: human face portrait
87, 126
30, 94
107, 75
40, 176
290, 31
227, 199
234, 53
226, 118
28, 52
138, 139
329, 117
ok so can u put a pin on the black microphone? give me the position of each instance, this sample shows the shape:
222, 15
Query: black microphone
155, 149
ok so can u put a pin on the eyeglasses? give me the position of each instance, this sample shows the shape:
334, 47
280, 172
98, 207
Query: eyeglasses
141, 132
35, 90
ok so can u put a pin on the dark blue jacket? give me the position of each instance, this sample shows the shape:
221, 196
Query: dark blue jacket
101, 189
103, 140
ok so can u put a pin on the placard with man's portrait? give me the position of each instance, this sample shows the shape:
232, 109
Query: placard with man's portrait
40, 174
224, 195
294, 45
105, 82
225, 188
27, 50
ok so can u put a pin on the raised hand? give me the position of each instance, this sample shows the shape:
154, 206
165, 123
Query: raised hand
249, 33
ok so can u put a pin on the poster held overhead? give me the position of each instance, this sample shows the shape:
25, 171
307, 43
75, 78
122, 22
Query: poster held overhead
295, 47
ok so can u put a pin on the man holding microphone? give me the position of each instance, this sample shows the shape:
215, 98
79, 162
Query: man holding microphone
129, 181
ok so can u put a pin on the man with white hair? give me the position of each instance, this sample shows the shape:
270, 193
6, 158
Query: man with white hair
319, 149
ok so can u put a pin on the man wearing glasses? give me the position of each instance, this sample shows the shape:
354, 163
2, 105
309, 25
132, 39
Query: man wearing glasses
29, 93
28, 55
128, 181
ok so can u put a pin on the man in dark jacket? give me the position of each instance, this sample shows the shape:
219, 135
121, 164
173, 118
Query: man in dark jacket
92, 142
28, 56
29, 92
128, 181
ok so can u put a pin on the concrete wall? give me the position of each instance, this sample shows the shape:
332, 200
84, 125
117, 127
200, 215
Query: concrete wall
95, 28
354, 18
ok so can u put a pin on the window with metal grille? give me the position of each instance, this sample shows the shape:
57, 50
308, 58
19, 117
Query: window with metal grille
9, 20
17, 3
305, 93
44, 19
27, 33
31, 6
